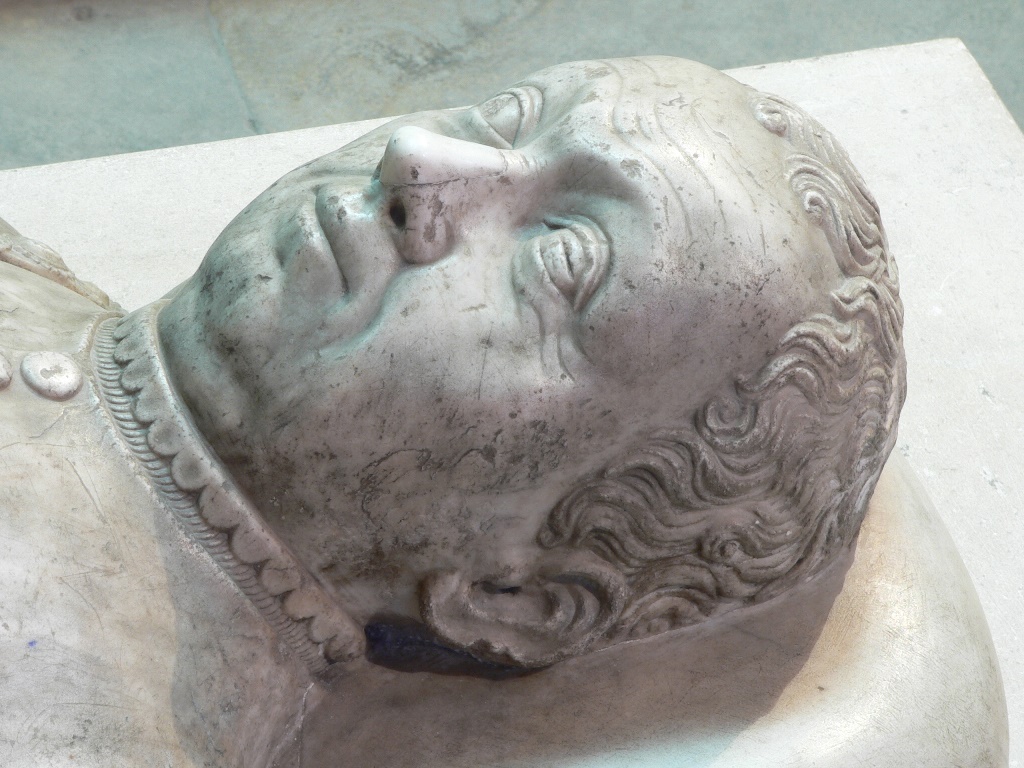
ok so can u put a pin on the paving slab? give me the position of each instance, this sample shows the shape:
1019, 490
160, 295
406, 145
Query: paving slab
316, 62
83, 79
95, 77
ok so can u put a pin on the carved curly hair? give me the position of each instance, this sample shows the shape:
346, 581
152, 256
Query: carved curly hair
772, 479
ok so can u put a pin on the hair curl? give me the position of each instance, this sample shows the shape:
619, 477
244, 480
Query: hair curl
773, 477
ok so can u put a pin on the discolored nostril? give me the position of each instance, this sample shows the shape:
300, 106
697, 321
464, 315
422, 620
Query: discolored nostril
494, 589
397, 214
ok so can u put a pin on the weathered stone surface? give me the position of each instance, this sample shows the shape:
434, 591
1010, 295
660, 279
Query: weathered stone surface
975, 668
749, 691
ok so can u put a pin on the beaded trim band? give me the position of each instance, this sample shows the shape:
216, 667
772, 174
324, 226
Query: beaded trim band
206, 501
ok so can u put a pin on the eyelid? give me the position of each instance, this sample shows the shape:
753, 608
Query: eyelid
531, 104
595, 256
530, 101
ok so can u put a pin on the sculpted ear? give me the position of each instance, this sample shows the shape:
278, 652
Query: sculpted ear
528, 620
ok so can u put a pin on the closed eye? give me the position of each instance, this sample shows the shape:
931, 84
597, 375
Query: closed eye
575, 257
513, 114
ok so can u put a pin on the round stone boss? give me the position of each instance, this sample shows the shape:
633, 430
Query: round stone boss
53, 375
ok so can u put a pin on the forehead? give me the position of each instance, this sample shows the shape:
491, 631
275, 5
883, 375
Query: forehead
643, 96
635, 79
672, 127
677, 138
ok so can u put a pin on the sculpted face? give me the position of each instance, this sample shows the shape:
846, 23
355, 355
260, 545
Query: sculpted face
408, 350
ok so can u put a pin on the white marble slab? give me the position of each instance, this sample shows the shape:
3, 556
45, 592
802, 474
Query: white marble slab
940, 152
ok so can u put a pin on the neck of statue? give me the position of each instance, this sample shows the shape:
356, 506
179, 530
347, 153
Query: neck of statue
192, 483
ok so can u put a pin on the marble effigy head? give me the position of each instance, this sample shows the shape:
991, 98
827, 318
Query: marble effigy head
613, 352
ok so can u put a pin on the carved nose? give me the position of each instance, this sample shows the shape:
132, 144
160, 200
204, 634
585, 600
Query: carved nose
415, 157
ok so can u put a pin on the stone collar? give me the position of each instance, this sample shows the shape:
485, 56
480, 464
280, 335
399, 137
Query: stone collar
212, 509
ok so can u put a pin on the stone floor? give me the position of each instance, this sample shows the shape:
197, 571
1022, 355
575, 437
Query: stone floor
94, 77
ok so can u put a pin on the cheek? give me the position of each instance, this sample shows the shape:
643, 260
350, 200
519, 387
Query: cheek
446, 387
437, 528
237, 313
391, 434
419, 522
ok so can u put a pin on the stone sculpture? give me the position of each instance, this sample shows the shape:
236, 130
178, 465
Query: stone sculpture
614, 355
